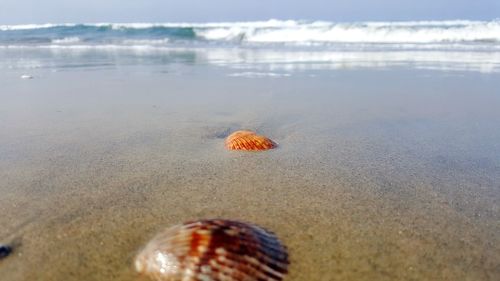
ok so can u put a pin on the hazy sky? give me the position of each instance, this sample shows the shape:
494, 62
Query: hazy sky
44, 11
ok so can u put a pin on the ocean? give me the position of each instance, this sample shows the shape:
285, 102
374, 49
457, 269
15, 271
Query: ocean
287, 44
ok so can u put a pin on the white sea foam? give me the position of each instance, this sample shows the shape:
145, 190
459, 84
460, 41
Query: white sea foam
33, 26
82, 47
253, 74
372, 32
146, 42
66, 40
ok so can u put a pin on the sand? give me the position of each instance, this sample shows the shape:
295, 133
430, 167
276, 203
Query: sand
379, 175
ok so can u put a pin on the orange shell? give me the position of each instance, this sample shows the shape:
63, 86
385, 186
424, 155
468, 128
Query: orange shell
216, 250
248, 140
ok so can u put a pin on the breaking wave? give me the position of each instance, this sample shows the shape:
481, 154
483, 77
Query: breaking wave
303, 33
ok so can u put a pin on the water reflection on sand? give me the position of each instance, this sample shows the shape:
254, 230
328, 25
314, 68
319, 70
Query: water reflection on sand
283, 59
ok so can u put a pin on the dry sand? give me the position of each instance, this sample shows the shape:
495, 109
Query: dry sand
379, 175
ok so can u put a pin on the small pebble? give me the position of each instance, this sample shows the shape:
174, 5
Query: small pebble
5, 251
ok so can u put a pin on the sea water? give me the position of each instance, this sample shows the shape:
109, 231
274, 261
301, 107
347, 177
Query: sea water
271, 45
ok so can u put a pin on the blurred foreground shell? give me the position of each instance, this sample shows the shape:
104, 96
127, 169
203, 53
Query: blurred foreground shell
217, 250
248, 140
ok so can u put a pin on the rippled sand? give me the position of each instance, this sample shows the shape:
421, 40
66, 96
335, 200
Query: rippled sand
379, 175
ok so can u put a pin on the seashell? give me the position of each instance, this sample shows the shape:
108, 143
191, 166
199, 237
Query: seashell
248, 140
5, 251
216, 250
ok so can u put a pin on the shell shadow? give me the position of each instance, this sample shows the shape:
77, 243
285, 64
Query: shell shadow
219, 132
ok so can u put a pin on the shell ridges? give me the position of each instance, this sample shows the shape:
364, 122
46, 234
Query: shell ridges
248, 140
216, 250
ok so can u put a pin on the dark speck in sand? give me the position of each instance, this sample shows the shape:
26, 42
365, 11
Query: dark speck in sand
5, 251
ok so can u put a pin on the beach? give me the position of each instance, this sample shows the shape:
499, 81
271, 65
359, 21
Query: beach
383, 171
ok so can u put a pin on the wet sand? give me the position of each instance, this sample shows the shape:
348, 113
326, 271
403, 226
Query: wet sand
380, 174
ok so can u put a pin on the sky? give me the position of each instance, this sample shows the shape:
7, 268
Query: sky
65, 11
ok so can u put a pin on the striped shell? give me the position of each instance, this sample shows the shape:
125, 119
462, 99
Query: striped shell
216, 250
248, 140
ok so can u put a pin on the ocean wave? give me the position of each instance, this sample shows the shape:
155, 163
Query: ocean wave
369, 32
30, 26
256, 24
269, 32
273, 23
